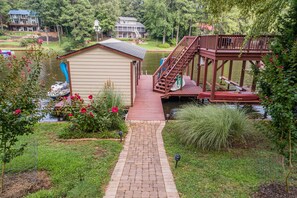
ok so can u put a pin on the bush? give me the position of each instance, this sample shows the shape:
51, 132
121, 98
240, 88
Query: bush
165, 45
26, 42
210, 127
102, 113
172, 41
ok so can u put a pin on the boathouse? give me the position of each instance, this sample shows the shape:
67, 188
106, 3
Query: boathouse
111, 60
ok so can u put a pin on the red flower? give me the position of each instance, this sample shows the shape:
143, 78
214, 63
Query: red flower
90, 97
83, 110
40, 41
91, 114
70, 114
72, 97
17, 112
114, 109
271, 60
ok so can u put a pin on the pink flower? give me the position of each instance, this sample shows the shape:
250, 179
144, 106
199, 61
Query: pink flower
114, 109
271, 60
90, 97
70, 114
40, 41
91, 114
17, 112
280, 67
83, 110
72, 97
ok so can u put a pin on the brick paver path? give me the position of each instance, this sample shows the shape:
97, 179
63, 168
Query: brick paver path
143, 169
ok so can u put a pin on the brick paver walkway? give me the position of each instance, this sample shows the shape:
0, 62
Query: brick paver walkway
143, 169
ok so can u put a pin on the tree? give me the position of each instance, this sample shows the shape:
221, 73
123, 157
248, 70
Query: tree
19, 94
78, 17
4, 8
132, 8
107, 12
157, 19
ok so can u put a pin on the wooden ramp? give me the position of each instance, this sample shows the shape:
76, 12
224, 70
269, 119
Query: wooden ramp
189, 90
147, 105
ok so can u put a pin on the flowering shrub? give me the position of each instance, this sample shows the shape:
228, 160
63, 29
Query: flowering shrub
19, 93
102, 113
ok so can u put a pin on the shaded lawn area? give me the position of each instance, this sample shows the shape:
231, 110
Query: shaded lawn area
233, 173
76, 169
152, 45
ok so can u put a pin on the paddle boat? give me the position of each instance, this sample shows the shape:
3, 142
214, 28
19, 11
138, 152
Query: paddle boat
6, 53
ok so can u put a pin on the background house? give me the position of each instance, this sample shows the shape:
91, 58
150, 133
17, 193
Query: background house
111, 60
23, 20
128, 27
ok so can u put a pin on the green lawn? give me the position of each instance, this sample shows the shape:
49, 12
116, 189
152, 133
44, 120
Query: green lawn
77, 169
152, 45
233, 173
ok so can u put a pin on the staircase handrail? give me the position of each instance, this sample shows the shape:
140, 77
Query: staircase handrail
181, 56
168, 59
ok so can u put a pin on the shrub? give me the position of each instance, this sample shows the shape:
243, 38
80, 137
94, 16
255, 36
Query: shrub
172, 41
103, 113
210, 127
27, 41
165, 45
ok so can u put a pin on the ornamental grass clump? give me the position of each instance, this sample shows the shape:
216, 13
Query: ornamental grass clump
211, 127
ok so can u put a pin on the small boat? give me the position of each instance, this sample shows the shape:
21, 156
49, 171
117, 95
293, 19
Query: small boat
6, 53
59, 90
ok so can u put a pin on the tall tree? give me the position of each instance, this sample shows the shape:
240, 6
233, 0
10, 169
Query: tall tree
4, 8
132, 8
78, 17
158, 19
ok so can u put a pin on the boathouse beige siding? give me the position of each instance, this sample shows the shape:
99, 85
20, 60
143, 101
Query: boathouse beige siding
90, 70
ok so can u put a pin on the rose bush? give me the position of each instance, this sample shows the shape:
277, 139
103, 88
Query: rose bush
101, 113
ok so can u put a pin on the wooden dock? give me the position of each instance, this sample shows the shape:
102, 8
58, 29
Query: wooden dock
147, 105
189, 90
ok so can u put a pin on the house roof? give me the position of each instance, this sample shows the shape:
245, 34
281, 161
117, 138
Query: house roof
24, 12
137, 24
128, 18
119, 47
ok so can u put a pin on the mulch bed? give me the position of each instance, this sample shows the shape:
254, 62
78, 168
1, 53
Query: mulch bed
275, 190
21, 184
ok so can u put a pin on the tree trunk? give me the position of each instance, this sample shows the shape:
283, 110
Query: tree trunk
46, 33
2, 176
1, 23
58, 30
190, 29
164, 36
177, 35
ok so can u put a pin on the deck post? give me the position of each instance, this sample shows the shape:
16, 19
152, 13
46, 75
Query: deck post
242, 73
205, 74
192, 69
253, 88
198, 70
222, 68
214, 79
230, 72
187, 70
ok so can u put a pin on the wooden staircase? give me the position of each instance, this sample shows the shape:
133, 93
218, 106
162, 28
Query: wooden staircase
176, 62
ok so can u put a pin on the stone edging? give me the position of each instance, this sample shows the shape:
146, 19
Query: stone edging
167, 174
111, 190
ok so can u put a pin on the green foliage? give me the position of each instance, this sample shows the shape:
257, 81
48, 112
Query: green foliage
278, 82
102, 113
211, 127
165, 45
27, 41
172, 41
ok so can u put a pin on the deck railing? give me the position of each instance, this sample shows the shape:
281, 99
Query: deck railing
173, 57
235, 42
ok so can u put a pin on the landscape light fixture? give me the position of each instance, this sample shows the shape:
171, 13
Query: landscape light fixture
177, 159
97, 28
121, 135
167, 116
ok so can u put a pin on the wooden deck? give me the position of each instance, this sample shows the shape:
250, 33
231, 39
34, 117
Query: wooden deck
189, 90
147, 105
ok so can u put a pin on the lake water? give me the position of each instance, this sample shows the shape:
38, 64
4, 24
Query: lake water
51, 73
